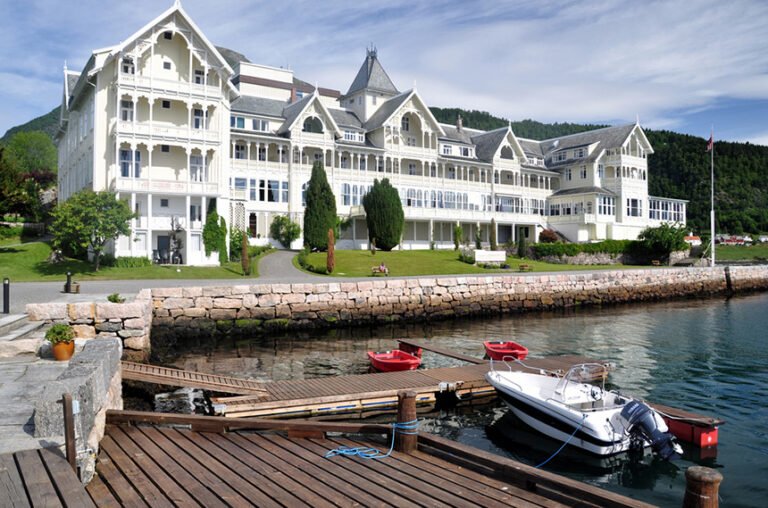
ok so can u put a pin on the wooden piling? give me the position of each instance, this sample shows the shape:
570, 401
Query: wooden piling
406, 412
69, 431
701, 487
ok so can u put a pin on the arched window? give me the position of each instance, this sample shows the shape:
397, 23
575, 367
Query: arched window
313, 125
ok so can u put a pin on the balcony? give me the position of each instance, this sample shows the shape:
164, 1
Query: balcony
168, 88
161, 131
164, 186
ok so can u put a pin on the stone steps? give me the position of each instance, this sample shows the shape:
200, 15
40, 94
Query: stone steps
19, 337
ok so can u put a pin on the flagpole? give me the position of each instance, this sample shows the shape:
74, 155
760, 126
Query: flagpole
712, 198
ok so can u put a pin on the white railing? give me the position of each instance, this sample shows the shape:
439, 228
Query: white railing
170, 87
163, 186
166, 130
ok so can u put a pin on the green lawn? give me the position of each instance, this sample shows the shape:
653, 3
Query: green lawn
358, 263
741, 252
27, 262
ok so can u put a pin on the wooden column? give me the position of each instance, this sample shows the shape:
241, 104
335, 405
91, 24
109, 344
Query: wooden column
701, 487
406, 412
69, 431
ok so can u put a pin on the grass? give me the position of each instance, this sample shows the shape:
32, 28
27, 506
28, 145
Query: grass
741, 252
27, 263
358, 263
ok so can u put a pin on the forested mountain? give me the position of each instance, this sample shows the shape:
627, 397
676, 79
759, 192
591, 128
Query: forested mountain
47, 123
679, 168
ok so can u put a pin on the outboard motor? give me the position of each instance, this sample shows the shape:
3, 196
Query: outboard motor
640, 420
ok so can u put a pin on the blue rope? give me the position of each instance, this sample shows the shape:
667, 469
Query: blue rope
406, 428
583, 419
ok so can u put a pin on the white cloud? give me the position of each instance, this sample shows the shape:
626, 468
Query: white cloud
597, 61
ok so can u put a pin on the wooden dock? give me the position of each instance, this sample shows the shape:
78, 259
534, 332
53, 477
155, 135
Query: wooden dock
362, 392
40, 478
185, 378
282, 463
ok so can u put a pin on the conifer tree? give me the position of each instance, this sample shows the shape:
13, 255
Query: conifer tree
320, 212
384, 215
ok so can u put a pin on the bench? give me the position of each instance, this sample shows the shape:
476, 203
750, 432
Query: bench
375, 270
524, 267
656, 262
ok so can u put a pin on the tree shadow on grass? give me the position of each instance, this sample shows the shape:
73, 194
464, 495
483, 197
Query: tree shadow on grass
75, 267
9, 250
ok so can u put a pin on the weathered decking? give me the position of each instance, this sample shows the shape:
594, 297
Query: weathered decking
161, 466
39, 478
176, 377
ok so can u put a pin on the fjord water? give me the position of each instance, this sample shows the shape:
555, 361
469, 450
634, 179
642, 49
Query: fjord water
707, 356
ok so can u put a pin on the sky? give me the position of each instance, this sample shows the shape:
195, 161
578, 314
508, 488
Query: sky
688, 66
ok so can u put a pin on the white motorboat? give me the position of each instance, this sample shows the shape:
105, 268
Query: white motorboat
590, 417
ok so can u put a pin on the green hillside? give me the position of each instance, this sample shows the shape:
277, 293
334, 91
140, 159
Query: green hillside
679, 168
47, 123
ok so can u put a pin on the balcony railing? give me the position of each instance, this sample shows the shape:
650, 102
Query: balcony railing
165, 130
169, 87
164, 186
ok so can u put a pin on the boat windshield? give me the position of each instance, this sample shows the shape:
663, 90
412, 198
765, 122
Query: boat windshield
583, 373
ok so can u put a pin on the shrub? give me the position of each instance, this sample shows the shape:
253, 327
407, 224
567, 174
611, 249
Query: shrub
245, 261
478, 240
522, 248
458, 233
559, 249
302, 259
548, 236
384, 215
235, 243
256, 250
661, 241
132, 262
108, 260
284, 230
10, 231
115, 298
60, 332
215, 235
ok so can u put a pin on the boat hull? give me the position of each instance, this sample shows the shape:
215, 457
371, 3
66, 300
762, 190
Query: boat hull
500, 350
591, 431
393, 361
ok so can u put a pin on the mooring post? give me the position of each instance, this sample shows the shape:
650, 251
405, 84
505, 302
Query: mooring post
701, 487
69, 431
6, 295
68, 285
406, 414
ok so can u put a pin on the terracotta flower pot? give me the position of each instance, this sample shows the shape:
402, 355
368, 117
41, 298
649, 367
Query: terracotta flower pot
63, 351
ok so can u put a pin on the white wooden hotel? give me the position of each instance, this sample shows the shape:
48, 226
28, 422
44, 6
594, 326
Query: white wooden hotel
176, 126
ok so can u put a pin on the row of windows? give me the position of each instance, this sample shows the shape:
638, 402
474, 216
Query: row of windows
516, 204
268, 191
130, 165
354, 136
255, 124
634, 207
353, 194
666, 210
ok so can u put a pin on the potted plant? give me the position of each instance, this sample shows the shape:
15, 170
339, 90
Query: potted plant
62, 339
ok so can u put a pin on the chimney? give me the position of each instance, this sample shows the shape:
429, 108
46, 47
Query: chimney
293, 94
459, 124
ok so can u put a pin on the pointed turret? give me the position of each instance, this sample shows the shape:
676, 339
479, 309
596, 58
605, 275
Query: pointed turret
370, 89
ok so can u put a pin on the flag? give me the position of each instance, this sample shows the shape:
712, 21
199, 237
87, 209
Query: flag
710, 143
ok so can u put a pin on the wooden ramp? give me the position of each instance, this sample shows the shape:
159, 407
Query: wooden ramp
185, 378
205, 466
313, 397
40, 478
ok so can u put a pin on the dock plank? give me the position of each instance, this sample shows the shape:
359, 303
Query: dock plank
62, 477
38, 484
11, 485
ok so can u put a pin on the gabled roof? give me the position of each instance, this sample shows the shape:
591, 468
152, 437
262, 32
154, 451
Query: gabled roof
294, 111
487, 144
390, 107
346, 118
607, 137
231, 56
372, 76
454, 134
531, 147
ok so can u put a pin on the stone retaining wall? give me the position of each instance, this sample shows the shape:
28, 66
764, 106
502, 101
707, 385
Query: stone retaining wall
130, 322
248, 309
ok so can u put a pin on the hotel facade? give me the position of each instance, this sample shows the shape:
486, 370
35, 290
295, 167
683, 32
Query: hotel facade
176, 126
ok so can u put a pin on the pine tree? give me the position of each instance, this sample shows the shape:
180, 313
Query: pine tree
384, 215
320, 212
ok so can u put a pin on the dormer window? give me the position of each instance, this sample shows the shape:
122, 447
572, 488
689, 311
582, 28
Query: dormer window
579, 153
447, 150
405, 124
465, 151
127, 66
560, 156
167, 65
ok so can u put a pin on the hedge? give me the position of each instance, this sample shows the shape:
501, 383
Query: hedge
541, 250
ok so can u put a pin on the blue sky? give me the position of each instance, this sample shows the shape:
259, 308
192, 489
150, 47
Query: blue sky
679, 65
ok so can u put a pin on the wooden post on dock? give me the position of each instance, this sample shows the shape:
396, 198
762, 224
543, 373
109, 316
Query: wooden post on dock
69, 431
701, 487
406, 412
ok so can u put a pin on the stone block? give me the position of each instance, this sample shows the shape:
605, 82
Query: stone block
195, 312
140, 342
108, 326
281, 288
191, 292
215, 292
250, 300
204, 302
82, 312
241, 289
293, 298
223, 314
227, 303
269, 300
282, 311
47, 311
261, 289
167, 292
124, 334
178, 303
263, 313
136, 323
84, 331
